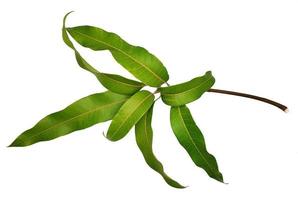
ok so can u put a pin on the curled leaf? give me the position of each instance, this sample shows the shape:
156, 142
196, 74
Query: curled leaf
137, 60
129, 114
81, 61
144, 136
90, 110
187, 92
112, 82
192, 139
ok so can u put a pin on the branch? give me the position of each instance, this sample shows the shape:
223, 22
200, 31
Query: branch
280, 106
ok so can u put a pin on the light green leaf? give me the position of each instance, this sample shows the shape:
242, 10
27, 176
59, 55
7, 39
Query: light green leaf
187, 92
137, 60
144, 137
129, 114
90, 110
192, 139
112, 82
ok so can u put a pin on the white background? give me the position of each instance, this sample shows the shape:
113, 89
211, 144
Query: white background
250, 46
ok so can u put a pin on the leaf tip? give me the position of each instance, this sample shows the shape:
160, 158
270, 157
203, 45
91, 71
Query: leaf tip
181, 186
105, 135
69, 13
64, 19
15, 143
19, 142
219, 178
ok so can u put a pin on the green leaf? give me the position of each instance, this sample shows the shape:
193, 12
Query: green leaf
129, 114
192, 139
137, 60
112, 82
90, 110
119, 84
81, 61
187, 92
144, 136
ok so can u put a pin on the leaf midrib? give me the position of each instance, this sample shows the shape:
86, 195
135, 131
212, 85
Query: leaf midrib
88, 67
146, 131
211, 168
173, 94
95, 71
137, 86
149, 143
136, 107
113, 47
66, 121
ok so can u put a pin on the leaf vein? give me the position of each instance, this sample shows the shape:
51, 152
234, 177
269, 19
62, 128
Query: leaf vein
123, 52
211, 168
82, 114
136, 107
173, 94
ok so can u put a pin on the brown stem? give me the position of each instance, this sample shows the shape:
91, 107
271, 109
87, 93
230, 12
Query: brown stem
280, 106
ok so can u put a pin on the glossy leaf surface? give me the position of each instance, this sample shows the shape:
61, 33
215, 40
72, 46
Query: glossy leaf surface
137, 60
81, 114
192, 139
129, 114
144, 137
112, 82
187, 92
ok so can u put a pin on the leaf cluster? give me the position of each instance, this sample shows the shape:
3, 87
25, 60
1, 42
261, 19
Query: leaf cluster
127, 104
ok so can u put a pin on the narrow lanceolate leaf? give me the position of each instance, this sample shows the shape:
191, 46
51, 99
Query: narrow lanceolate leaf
137, 60
191, 138
187, 92
81, 61
144, 136
129, 114
112, 82
81, 114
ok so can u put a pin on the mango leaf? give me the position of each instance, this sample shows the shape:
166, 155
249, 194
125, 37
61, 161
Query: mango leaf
81, 61
144, 136
137, 60
112, 82
129, 114
187, 92
119, 84
90, 110
192, 139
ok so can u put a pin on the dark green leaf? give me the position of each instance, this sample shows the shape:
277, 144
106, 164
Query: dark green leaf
144, 136
137, 60
129, 114
191, 138
112, 82
81, 114
187, 92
